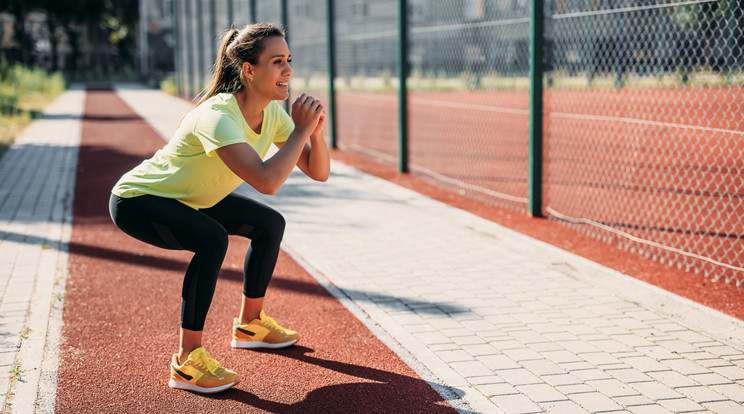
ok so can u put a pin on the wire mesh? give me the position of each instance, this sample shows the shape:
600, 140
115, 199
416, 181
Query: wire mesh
308, 42
642, 125
468, 103
366, 103
241, 13
643, 129
268, 11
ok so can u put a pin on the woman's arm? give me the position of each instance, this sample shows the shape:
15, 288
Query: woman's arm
315, 161
268, 176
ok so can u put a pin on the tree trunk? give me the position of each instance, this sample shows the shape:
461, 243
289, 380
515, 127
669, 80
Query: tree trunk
73, 38
20, 34
52, 26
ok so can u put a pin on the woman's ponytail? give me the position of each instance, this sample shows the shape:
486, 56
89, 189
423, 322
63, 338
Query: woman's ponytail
225, 73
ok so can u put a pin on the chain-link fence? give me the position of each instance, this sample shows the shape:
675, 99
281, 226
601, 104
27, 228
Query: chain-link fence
642, 127
469, 98
644, 130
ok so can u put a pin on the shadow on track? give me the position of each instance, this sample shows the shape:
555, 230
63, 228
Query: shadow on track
348, 397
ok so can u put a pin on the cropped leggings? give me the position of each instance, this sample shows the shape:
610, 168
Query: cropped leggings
169, 224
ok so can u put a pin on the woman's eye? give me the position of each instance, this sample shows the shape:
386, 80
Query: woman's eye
289, 60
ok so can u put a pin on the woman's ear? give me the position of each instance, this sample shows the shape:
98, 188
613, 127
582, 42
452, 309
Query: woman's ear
247, 71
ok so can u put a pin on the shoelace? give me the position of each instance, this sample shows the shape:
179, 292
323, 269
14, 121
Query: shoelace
205, 361
270, 321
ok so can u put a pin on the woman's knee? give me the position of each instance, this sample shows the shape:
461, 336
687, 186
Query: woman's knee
215, 241
276, 224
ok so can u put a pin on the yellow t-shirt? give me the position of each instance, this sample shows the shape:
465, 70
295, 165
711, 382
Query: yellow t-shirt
188, 169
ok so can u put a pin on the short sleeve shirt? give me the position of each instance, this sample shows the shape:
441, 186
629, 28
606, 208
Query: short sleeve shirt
188, 169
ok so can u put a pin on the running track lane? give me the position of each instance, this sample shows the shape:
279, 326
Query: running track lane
122, 308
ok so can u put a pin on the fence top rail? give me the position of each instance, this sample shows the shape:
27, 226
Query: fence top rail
490, 23
628, 9
523, 20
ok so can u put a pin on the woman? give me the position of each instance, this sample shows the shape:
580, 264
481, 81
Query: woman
181, 197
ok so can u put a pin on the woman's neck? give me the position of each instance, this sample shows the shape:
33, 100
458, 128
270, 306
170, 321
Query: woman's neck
250, 105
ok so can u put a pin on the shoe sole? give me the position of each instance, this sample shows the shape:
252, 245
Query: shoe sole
192, 387
258, 344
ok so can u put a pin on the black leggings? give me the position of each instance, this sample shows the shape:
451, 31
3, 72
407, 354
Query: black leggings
170, 224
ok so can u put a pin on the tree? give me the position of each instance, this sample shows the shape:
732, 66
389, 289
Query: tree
704, 22
107, 24
19, 9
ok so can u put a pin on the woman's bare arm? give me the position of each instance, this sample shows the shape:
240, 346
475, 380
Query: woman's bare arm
268, 176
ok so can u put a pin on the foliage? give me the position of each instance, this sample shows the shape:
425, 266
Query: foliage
115, 19
699, 17
24, 93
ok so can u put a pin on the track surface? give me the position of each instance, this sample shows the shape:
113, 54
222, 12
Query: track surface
122, 308
662, 165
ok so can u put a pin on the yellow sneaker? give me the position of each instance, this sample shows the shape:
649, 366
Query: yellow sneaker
263, 332
200, 373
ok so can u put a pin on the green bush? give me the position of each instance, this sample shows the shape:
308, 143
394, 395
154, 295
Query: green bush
24, 93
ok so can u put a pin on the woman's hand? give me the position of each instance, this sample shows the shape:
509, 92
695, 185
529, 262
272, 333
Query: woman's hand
314, 160
306, 114
319, 128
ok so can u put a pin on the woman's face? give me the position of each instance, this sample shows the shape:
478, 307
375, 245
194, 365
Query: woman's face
272, 71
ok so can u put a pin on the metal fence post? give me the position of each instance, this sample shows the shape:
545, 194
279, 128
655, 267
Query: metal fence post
252, 10
534, 175
402, 85
190, 33
144, 54
285, 18
213, 29
177, 48
285, 22
331, 105
733, 15
200, 48
230, 14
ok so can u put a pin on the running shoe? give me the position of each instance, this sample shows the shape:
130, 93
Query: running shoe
263, 332
200, 373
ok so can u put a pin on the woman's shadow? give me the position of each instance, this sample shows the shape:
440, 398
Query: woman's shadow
389, 393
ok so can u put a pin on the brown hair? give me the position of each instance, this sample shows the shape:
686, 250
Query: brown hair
237, 47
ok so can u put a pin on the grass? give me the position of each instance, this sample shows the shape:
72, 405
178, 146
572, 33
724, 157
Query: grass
24, 93
466, 81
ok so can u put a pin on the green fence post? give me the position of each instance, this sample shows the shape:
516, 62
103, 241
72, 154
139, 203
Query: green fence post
588, 44
213, 29
188, 51
230, 14
285, 23
285, 18
331, 104
177, 49
402, 86
252, 10
733, 14
534, 160
200, 48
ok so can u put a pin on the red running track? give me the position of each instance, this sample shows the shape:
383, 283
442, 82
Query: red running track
122, 308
